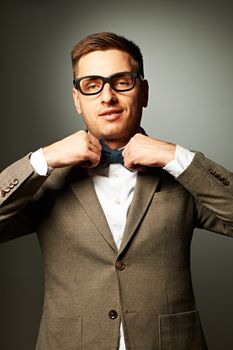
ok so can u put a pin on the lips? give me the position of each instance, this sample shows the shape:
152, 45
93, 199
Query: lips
111, 113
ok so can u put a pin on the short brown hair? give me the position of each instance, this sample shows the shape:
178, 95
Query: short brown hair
105, 41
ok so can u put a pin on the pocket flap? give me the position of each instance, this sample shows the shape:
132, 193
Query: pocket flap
63, 333
181, 331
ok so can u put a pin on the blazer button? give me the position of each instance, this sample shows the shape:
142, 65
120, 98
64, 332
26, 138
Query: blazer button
119, 265
3, 193
212, 171
226, 183
7, 189
112, 314
15, 181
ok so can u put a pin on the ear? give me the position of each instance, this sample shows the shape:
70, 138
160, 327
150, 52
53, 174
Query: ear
145, 92
76, 100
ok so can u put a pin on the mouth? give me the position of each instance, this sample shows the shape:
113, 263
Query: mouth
111, 114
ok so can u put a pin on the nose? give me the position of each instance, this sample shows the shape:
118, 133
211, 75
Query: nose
108, 95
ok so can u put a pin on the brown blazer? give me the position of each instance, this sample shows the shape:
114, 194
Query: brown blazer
90, 286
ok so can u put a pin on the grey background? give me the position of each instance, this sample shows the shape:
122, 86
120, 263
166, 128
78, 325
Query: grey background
188, 53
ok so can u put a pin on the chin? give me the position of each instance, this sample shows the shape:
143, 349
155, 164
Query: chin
113, 134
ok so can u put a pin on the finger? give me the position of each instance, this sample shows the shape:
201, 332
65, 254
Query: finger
135, 167
138, 168
92, 160
94, 149
95, 144
125, 150
85, 164
93, 139
129, 159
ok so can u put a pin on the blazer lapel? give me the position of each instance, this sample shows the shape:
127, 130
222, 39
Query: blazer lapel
84, 190
146, 185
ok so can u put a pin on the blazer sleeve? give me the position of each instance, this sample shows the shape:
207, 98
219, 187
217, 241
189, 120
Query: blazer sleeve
212, 187
18, 184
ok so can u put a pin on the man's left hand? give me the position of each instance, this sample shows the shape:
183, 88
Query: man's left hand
143, 151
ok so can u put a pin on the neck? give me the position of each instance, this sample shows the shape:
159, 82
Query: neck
120, 142
116, 144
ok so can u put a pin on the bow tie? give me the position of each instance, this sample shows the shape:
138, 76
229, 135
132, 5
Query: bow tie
109, 156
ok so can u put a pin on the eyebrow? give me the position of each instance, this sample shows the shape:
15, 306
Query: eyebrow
101, 76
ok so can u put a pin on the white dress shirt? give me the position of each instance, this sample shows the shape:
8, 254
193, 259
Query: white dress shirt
114, 187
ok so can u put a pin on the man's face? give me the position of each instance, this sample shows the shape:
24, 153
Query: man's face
113, 116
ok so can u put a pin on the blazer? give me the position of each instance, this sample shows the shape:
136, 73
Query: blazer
90, 286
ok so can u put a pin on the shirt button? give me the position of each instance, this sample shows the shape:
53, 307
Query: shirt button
112, 314
117, 201
119, 265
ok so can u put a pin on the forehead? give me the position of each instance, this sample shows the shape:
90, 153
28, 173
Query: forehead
105, 63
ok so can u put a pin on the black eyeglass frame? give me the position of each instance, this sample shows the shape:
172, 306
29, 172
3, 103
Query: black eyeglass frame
105, 80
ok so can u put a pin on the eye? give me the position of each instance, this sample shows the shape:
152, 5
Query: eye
91, 85
122, 82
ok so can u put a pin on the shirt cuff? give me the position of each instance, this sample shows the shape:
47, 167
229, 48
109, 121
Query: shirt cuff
183, 158
39, 163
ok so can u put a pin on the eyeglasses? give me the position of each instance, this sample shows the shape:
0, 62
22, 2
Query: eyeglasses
93, 84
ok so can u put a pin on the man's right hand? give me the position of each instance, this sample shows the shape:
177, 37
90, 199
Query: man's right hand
79, 148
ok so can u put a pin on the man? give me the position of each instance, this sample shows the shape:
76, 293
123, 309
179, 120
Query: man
115, 210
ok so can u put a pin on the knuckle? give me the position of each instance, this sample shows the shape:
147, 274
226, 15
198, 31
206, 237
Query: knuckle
84, 134
81, 132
